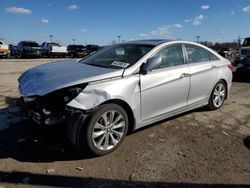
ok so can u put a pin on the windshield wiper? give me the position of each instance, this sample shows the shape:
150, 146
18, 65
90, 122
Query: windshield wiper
96, 65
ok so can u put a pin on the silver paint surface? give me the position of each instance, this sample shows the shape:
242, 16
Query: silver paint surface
152, 97
44, 79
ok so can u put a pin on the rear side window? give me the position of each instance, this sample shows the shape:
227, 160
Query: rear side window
197, 54
213, 57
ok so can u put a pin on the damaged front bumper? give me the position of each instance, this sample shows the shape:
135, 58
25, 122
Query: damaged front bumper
41, 116
51, 108
43, 119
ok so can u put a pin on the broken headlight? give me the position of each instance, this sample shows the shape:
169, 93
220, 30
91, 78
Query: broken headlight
70, 93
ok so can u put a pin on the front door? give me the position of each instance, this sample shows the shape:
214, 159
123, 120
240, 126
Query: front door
166, 88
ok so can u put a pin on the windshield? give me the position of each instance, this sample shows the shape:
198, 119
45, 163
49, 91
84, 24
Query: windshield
76, 46
246, 42
54, 44
118, 56
31, 44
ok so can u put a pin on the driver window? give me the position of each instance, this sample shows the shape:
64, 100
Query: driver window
171, 56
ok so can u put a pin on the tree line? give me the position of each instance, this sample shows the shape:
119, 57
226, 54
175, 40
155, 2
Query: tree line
217, 46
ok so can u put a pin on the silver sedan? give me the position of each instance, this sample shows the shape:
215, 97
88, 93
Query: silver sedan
124, 87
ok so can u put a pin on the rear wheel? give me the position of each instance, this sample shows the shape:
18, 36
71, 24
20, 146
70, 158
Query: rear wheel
217, 96
105, 130
19, 55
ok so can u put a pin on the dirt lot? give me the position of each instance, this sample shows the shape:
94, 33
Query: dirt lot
197, 149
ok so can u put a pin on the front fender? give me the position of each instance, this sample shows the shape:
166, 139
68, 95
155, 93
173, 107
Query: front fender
89, 99
125, 89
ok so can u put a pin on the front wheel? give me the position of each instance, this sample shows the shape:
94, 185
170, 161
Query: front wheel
105, 131
217, 96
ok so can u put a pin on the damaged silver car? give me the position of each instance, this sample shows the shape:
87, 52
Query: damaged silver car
124, 87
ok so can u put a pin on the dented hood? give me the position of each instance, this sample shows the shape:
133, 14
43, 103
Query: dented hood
46, 78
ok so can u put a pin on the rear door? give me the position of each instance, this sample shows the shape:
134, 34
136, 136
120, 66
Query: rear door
203, 72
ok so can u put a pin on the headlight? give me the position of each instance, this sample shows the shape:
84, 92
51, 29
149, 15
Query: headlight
29, 99
71, 93
67, 94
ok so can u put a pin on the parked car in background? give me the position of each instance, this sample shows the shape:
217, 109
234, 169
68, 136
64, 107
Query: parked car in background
227, 52
243, 66
243, 58
77, 50
92, 48
4, 49
28, 49
13, 50
53, 49
244, 52
125, 87
246, 42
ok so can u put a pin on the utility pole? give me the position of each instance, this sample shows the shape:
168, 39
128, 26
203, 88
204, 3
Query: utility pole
239, 41
119, 38
197, 38
51, 37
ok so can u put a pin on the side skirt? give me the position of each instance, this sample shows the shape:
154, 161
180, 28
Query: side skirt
171, 114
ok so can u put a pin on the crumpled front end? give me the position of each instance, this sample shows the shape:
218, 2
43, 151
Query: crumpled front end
46, 89
51, 108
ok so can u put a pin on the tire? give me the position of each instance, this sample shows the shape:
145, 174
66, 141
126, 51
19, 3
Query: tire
99, 136
19, 55
7, 56
217, 96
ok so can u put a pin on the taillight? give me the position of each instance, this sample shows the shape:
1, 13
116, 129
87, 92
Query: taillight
231, 67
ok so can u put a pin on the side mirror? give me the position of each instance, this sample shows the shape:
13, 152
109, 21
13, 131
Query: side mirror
152, 63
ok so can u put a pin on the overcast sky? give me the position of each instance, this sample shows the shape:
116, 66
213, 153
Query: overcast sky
101, 21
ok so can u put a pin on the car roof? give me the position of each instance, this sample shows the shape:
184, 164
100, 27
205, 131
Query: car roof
75, 45
154, 42
28, 41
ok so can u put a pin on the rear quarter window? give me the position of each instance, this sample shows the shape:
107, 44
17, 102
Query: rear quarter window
197, 54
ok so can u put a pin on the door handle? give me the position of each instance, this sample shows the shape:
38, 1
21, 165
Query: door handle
184, 75
213, 66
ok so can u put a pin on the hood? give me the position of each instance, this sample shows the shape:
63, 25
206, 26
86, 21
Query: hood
46, 78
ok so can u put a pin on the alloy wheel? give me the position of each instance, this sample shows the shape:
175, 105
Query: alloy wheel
219, 95
108, 130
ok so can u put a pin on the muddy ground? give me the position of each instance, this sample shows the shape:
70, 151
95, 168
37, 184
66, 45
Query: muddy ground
196, 149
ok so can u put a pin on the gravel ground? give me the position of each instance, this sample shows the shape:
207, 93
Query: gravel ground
196, 149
